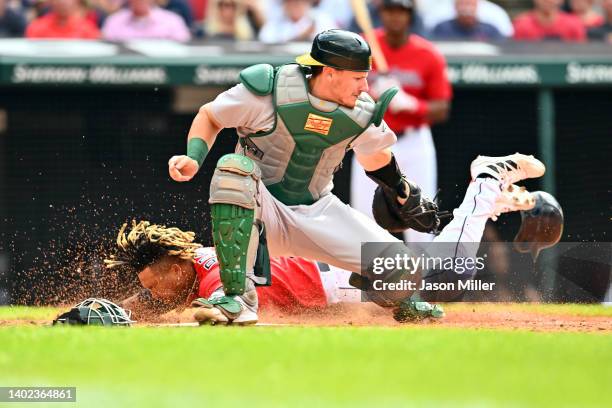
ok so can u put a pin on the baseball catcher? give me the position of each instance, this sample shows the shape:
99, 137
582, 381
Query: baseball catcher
272, 197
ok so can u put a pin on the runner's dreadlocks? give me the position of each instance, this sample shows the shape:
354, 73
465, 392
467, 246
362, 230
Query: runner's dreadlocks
146, 243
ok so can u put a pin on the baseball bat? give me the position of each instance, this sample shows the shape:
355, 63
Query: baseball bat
362, 16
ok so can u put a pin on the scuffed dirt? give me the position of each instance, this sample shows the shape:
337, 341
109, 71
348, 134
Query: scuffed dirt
474, 316
366, 314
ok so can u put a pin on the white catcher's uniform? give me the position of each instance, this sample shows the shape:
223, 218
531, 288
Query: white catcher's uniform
329, 230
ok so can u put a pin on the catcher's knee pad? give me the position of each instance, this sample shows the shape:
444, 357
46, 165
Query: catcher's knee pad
234, 211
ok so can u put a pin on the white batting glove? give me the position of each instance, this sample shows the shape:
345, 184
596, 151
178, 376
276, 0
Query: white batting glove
403, 102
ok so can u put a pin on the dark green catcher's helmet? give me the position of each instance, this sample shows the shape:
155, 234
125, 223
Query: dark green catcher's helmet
97, 312
338, 49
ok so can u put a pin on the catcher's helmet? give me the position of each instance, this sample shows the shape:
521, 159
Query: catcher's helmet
99, 312
338, 49
541, 227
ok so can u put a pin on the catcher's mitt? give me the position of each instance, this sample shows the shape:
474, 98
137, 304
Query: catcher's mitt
418, 213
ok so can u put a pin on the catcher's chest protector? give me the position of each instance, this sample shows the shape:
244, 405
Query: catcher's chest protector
299, 156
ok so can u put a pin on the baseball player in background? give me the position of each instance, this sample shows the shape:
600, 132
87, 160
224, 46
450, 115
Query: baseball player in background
273, 196
419, 71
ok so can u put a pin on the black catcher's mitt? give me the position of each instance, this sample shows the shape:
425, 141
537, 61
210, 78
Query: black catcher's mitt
418, 213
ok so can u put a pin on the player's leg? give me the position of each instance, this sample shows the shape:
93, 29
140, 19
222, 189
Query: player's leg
235, 213
333, 232
491, 193
336, 285
249, 225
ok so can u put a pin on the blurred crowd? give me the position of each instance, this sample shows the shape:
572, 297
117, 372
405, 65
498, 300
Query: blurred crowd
277, 21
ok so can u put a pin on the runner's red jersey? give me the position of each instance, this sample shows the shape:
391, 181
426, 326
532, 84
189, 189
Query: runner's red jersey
296, 282
421, 70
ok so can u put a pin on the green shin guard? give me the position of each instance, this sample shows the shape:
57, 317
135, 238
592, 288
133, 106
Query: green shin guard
236, 230
232, 227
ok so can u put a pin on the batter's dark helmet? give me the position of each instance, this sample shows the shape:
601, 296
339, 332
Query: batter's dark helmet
541, 227
404, 4
338, 49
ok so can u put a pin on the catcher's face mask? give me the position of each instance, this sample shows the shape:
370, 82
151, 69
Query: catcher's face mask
98, 312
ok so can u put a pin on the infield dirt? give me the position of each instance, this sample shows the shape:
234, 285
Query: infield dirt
477, 316
474, 315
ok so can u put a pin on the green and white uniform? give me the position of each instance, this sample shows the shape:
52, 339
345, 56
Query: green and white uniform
281, 176
296, 143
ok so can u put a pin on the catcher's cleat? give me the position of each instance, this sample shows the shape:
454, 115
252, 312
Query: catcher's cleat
507, 169
222, 310
513, 198
414, 311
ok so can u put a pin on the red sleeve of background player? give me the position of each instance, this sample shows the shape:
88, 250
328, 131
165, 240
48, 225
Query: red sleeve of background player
522, 28
579, 31
438, 85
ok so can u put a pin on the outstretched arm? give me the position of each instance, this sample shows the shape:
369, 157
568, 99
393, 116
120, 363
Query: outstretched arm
201, 137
